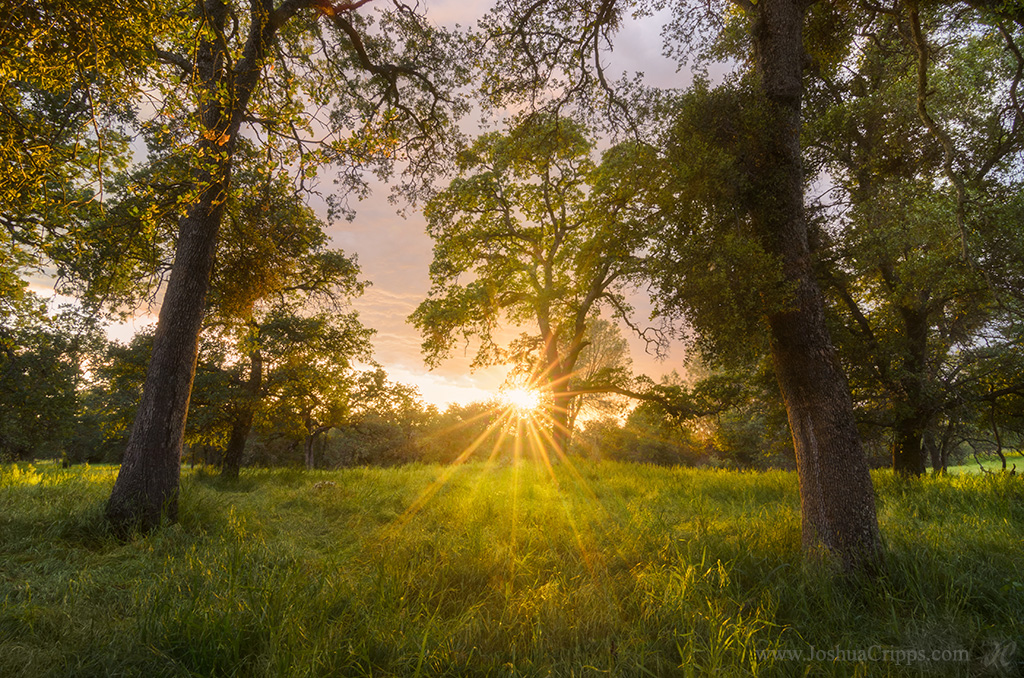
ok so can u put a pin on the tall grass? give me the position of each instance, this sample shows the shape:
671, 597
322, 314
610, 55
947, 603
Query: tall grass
594, 570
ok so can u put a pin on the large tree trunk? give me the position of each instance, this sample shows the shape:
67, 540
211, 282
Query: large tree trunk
558, 372
243, 421
836, 496
147, 484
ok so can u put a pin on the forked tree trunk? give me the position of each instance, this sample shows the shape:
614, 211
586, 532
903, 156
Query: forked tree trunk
836, 496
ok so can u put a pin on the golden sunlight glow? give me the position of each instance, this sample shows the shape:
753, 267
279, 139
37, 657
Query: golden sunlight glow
522, 401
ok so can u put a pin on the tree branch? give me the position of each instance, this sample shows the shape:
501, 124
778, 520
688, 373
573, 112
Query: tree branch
174, 59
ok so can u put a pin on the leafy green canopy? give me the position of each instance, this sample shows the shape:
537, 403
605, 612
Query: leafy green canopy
534, 233
290, 89
42, 360
68, 72
312, 83
708, 262
919, 127
308, 378
310, 370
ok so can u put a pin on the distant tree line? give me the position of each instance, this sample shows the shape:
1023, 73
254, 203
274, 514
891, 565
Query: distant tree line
69, 394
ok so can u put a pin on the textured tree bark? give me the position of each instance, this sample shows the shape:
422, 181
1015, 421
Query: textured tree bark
243, 421
146, 489
836, 496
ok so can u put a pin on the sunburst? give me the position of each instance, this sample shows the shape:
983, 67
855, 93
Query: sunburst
520, 401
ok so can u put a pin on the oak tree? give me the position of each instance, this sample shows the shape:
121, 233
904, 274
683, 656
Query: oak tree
920, 134
312, 82
534, 232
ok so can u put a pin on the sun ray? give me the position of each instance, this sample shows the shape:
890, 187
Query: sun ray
523, 422
491, 462
449, 470
464, 423
536, 433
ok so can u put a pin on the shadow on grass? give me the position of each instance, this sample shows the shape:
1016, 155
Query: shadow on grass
86, 529
219, 483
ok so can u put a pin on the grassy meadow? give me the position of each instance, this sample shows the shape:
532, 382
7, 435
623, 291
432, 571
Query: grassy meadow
503, 570
990, 463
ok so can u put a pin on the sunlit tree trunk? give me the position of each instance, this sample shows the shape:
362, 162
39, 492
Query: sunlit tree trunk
836, 496
558, 371
147, 483
561, 431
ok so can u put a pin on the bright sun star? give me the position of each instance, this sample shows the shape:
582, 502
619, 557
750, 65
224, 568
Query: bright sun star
522, 401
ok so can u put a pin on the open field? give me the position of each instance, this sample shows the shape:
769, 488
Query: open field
616, 570
991, 463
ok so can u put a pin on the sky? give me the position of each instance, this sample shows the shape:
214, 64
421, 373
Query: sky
395, 253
